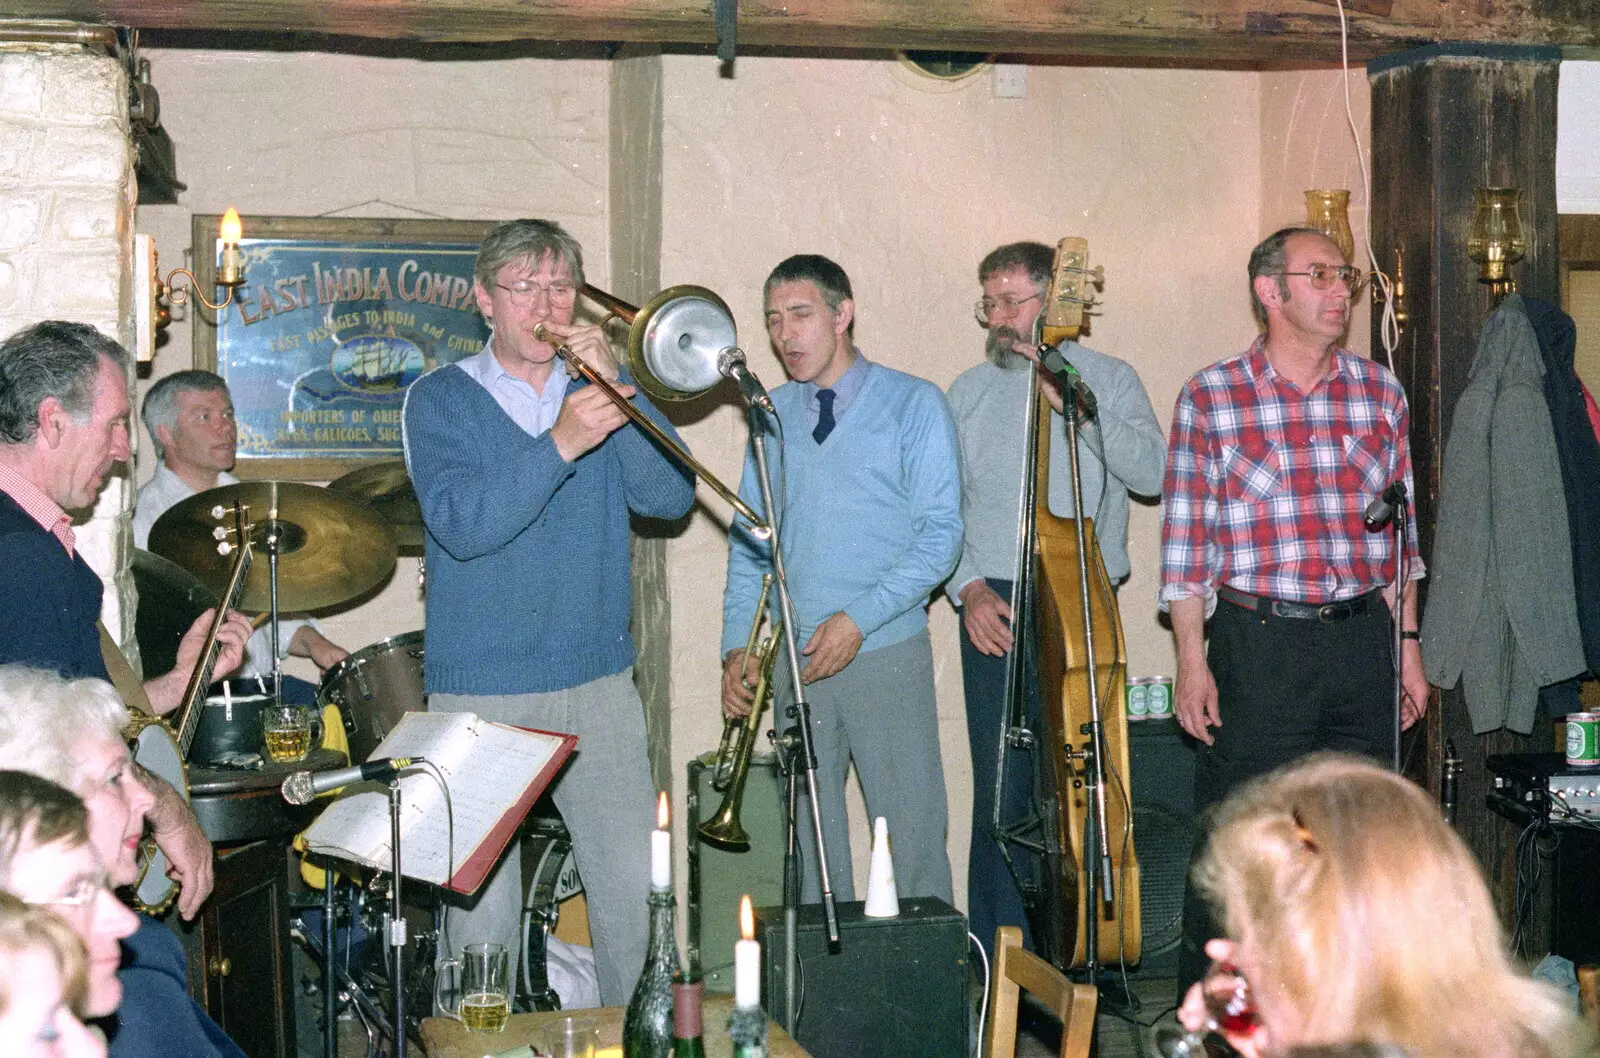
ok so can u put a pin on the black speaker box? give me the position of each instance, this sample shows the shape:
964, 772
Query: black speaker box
1161, 759
897, 986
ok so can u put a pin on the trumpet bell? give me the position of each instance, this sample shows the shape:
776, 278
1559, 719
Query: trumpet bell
676, 340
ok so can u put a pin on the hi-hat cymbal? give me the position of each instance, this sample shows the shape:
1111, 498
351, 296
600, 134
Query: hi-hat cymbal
386, 488
332, 548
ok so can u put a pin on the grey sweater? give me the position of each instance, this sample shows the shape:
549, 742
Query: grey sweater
989, 404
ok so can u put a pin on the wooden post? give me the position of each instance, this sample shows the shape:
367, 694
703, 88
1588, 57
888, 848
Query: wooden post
1447, 119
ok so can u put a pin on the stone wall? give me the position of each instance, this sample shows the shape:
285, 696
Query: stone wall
66, 244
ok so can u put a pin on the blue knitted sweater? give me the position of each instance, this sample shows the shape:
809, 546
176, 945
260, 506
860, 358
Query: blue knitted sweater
872, 516
527, 555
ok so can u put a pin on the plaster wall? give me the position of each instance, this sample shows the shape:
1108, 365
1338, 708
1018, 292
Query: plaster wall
907, 183
1578, 138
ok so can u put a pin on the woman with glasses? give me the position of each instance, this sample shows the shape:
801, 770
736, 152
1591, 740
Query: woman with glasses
70, 732
48, 861
1355, 914
43, 986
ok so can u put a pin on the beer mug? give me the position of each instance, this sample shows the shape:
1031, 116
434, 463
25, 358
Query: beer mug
484, 992
286, 733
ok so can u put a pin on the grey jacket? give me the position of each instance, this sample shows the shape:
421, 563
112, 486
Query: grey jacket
1501, 616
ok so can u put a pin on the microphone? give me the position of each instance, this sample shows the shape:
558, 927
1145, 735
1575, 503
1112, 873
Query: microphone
1449, 781
302, 786
1071, 382
1380, 510
730, 364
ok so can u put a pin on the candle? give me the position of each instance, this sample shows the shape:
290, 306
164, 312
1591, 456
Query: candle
661, 849
747, 960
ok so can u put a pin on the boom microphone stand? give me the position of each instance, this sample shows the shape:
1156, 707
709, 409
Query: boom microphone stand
796, 742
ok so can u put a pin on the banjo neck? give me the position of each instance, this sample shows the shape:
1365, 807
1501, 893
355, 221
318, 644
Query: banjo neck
187, 719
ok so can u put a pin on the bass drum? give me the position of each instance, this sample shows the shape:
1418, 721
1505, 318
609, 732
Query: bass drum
374, 688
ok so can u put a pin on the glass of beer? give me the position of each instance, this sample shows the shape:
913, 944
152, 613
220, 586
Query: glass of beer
484, 994
286, 733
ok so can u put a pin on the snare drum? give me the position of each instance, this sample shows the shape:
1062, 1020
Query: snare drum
374, 688
231, 721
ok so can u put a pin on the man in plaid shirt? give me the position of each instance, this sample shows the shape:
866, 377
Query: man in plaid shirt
1274, 456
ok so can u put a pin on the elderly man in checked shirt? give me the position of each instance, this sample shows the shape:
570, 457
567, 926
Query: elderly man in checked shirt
1273, 458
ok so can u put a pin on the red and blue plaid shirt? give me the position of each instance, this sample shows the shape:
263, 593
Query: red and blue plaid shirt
1267, 486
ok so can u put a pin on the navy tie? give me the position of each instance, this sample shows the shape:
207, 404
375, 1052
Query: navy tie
824, 416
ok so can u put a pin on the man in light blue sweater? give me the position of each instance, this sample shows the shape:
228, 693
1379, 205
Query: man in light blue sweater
526, 478
871, 518
1122, 450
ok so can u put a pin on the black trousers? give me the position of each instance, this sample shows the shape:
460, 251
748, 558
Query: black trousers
993, 898
1286, 687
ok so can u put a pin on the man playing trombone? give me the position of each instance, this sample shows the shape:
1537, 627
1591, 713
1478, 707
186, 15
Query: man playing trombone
526, 478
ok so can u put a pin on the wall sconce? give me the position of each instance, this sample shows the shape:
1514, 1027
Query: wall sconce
1496, 240
1329, 213
155, 295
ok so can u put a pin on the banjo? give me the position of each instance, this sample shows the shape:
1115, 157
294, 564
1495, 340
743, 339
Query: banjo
162, 748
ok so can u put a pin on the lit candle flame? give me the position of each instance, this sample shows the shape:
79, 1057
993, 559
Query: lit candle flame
747, 919
230, 231
661, 811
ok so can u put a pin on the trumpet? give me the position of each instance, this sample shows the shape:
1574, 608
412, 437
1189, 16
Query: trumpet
674, 344
739, 733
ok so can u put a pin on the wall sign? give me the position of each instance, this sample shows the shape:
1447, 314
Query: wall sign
335, 319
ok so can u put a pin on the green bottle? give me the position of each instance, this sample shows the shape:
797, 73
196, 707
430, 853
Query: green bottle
647, 1026
687, 1041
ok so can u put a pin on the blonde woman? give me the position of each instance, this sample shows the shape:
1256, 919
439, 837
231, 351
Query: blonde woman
43, 986
1355, 914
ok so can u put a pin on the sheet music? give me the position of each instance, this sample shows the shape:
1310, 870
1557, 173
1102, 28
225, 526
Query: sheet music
487, 766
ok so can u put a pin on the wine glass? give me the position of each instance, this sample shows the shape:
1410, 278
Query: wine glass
1228, 1009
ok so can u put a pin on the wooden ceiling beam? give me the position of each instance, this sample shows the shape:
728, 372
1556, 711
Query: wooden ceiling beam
1232, 30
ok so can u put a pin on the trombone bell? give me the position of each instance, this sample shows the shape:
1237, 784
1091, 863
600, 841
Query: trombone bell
676, 340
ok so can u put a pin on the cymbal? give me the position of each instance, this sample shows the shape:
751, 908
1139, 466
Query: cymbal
332, 548
170, 599
387, 489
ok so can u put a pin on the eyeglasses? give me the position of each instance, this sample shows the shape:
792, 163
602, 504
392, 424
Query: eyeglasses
984, 308
1322, 276
524, 294
83, 892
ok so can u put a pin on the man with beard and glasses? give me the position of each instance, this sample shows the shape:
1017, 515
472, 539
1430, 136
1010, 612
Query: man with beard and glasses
1121, 450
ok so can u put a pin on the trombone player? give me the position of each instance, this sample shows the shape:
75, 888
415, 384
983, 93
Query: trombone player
526, 478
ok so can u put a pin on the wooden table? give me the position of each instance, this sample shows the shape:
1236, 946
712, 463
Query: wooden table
446, 1038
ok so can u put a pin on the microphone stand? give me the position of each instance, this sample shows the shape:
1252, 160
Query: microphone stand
795, 743
1398, 643
397, 925
1099, 884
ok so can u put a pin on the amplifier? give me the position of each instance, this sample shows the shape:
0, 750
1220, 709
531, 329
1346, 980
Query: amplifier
896, 986
1543, 786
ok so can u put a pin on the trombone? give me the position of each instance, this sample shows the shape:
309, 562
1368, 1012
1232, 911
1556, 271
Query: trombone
674, 342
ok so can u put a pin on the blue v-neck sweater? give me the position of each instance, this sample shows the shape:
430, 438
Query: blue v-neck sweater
528, 559
872, 516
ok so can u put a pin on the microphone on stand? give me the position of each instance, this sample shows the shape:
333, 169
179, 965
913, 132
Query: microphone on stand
1071, 381
302, 786
730, 364
1380, 510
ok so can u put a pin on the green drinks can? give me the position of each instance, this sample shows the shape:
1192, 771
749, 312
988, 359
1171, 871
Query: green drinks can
1583, 739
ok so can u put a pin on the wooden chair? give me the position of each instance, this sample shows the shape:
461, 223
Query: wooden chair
1017, 969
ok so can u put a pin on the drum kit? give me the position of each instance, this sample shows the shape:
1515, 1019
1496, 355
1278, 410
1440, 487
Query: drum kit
329, 547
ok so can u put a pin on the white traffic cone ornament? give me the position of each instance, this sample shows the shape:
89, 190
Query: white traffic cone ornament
882, 900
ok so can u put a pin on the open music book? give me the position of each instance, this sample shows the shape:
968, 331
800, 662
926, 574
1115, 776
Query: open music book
495, 773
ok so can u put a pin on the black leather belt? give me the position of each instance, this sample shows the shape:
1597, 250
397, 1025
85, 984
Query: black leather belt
1327, 613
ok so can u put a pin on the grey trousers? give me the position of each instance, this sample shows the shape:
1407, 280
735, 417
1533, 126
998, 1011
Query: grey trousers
880, 712
607, 800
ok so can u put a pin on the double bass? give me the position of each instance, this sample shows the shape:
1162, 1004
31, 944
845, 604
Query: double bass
1085, 906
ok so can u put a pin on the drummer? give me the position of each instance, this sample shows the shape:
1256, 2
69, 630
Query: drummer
190, 418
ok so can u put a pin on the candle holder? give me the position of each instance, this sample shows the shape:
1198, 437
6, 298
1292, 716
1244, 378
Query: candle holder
647, 1023
747, 1031
1496, 241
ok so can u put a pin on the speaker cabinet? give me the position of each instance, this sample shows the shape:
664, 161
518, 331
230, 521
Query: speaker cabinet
717, 878
897, 986
1161, 759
